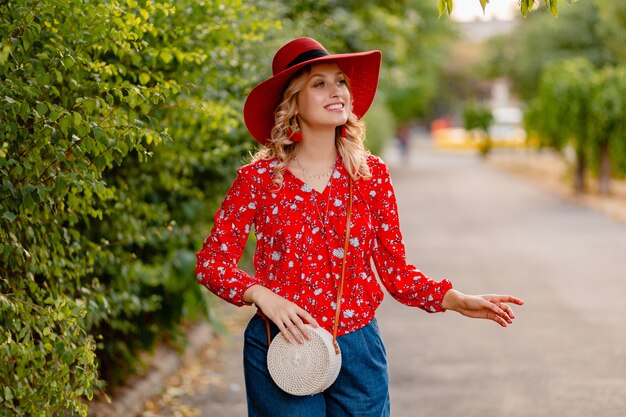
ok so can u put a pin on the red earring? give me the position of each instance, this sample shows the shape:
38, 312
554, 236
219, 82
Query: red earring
295, 136
343, 131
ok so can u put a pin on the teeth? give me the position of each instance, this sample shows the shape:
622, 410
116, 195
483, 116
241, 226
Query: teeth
335, 107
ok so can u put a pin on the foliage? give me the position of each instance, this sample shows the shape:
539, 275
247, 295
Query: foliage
564, 93
612, 30
525, 6
106, 112
542, 39
477, 119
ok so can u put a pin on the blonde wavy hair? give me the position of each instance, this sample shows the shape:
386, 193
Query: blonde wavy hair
351, 146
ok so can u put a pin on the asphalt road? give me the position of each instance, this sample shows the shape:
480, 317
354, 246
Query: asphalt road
488, 232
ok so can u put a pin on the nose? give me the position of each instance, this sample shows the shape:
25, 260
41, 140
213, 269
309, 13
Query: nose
335, 90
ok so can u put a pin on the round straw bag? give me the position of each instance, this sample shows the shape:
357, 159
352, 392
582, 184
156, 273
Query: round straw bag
304, 369
312, 367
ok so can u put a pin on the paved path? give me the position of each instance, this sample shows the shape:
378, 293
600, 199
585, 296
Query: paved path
487, 231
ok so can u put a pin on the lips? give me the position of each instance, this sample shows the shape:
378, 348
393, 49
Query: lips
334, 106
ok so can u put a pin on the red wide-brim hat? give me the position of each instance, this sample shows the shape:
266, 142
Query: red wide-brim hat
361, 68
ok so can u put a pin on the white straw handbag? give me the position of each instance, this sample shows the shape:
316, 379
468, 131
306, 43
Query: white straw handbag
304, 369
312, 367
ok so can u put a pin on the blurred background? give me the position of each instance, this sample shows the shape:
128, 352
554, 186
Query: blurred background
122, 128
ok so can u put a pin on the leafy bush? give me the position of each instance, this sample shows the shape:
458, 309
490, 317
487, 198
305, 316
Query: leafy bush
118, 124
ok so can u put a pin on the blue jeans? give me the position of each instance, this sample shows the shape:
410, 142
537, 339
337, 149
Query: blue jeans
361, 389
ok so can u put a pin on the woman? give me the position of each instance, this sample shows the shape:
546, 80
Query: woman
295, 194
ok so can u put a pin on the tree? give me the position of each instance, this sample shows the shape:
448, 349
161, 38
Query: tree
608, 112
560, 114
583, 107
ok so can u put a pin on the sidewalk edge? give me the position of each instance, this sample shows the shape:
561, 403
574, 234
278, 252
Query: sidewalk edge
131, 399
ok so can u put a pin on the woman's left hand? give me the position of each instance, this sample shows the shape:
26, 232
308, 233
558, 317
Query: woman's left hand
490, 306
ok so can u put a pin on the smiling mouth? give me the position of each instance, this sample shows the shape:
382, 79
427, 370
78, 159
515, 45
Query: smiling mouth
335, 107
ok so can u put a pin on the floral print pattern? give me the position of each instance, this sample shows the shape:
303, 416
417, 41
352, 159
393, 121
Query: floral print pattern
300, 243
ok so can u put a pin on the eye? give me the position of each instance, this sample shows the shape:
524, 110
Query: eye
342, 81
319, 84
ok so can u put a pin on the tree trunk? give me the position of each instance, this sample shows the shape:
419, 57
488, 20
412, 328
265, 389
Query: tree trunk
581, 167
604, 177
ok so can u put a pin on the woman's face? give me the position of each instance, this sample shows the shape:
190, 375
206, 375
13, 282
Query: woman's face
325, 100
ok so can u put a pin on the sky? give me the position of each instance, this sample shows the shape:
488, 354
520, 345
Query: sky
467, 10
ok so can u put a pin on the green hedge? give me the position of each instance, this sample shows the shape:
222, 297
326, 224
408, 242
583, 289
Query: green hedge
107, 110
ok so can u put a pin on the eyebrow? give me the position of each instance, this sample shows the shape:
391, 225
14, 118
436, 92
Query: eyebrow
324, 75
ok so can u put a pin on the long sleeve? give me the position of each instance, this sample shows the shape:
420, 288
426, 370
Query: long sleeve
216, 266
402, 280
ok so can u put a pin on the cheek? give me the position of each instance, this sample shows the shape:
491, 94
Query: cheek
308, 102
349, 100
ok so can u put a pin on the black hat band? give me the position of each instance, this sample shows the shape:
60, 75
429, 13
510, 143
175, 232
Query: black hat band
306, 56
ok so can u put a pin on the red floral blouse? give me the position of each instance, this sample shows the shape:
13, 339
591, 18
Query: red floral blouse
300, 245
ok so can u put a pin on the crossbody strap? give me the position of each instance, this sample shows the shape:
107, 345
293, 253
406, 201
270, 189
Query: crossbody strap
346, 246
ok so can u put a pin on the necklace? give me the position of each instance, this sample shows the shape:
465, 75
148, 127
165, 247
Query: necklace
315, 175
323, 220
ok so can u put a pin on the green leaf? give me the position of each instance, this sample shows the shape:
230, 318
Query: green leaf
42, 109
8, 394
78, 119
166, 55
54, 115
9, 216
554, 7
144, 78
65, 123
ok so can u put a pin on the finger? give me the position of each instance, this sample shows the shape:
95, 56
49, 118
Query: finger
285, 332
501, 315
493, 316
298, 330
502, 322
307, 318
287, 328
511, 299
508, 310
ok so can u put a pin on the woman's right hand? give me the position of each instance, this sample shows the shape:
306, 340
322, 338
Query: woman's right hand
288, 317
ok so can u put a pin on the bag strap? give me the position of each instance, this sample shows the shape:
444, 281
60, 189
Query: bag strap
346, 246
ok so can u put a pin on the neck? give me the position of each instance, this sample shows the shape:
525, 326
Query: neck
317, 147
